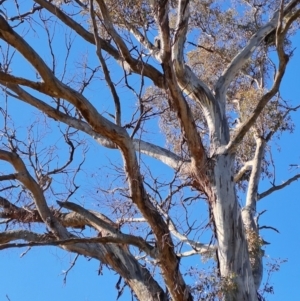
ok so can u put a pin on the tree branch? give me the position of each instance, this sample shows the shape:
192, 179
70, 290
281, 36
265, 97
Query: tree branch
8, 177
26, 179
28, 215
81, 31
247, 166
56, 88
177, 100
111, 251
165, 156
251, 197
66, 242
108, 252
192, 86
12, 38
104, 67
182, 23
188, 253
149, 149
268, 227
240, 59
136, 66
101, 223
246, 125
8, 78
160, 10
277, 187
8, 236
198, 248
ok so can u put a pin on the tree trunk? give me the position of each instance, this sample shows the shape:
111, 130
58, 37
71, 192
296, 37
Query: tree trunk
233, 257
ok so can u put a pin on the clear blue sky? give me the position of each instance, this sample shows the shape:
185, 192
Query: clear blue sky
38, 274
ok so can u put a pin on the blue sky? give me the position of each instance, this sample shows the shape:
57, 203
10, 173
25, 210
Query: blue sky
38, 275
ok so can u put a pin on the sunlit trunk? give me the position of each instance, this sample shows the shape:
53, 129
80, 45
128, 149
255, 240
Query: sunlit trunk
233, 258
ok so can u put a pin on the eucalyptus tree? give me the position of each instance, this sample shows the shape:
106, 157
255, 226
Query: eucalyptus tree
202, 76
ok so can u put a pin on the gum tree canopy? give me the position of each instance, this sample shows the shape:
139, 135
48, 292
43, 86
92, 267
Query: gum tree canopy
183, 97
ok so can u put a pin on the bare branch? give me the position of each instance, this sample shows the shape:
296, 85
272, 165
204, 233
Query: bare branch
143, 40
180, 33
160, 10
188, 253
101, 223
65, 273
8, 177
11, 37
8, 236
195, 119
28, 13
104, 67
145, 69
135, 65
56, 88
268, 227
178, 101
278, 187
26, 179
139, 279
193, 86
8, 78
165, 156
149, 149
81, 31
198, 248
66, 242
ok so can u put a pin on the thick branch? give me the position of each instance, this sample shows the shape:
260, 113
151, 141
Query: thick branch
14, 212
160, 10
108, 252
240, 59
194, 87
249, 211
169, 264
28, 215
251, 198
180, 33
8, 177
65, 242
8, 78
283, 60
99, 223
8, 236
165, 156
178, 102
247, 166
